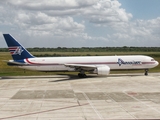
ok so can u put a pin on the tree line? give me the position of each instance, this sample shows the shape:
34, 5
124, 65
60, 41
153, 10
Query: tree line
92, 49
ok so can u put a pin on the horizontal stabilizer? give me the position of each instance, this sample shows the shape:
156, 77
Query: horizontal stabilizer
13, 63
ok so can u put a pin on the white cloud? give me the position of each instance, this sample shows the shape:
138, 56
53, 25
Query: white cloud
51, 5
107, 12
139, 33
57, 19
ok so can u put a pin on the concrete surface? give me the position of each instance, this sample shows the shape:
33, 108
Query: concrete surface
131, 96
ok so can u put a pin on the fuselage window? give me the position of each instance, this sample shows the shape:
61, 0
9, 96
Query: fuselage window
152, 60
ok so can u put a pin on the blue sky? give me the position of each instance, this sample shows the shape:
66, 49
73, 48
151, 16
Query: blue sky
142, 9
81, 23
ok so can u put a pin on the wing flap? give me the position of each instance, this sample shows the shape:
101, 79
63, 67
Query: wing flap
81, 66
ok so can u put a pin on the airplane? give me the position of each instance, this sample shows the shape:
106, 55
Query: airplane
100, 65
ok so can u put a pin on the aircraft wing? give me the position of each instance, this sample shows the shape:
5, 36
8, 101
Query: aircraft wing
81, 67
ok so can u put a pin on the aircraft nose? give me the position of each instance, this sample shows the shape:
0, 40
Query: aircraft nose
157, 63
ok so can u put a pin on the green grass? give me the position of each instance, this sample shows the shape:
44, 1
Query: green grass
6, 70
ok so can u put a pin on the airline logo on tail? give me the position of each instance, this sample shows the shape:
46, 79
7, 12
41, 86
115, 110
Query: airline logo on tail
16, 50
120, 62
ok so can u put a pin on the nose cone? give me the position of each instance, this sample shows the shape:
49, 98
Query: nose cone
157, 63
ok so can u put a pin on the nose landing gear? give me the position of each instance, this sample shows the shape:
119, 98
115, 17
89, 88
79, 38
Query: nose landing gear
146, 72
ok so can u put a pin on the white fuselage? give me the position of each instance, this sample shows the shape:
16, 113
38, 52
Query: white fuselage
100, 65
113, 62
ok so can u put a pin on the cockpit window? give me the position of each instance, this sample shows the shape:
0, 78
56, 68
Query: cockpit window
152, 60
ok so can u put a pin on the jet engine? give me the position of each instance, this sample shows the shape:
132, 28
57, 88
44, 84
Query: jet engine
102, 70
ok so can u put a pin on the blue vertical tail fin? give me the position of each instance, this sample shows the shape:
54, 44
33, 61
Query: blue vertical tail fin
17, 51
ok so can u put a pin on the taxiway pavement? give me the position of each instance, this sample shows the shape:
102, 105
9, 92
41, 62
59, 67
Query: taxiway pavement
121, 96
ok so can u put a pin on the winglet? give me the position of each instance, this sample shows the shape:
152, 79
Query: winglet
17, 51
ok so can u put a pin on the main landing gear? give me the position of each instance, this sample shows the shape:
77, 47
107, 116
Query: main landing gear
82, 74
146, 72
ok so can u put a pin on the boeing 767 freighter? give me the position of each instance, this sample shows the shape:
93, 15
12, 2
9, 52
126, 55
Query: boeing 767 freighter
100, 65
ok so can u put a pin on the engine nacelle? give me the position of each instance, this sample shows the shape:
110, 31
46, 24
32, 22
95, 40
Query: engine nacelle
102, 70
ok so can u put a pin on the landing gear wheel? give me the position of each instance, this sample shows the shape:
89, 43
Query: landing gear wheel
82, 75
146, 72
